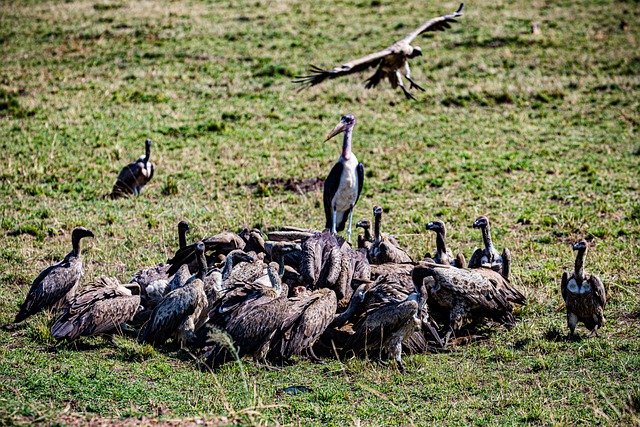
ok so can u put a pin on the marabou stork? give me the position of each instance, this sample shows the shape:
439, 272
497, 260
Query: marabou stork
343, 186
392, 62
584, 295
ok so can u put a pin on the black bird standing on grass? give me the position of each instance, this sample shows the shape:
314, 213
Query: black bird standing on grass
343, 186
584, 294
134, 176
58, 283
392, 62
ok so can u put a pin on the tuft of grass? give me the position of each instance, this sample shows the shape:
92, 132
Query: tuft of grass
170, 187
10, 106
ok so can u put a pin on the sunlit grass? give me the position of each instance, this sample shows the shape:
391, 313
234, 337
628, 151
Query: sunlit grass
538, 132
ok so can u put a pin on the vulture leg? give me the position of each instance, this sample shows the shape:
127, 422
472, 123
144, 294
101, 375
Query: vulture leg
407, 74
414, 84
448, 336
433, 332
312, 356
404, 89
572, 321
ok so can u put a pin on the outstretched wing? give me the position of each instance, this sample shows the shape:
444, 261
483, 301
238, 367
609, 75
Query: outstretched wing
318, 75
440, 23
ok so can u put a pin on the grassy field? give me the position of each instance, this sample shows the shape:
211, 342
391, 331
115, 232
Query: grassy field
538, 132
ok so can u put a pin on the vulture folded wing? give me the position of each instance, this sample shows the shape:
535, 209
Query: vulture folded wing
598, 290
51, 285
563, 285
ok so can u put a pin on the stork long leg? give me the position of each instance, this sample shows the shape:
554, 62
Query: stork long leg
349, 228
404, 89
335, 218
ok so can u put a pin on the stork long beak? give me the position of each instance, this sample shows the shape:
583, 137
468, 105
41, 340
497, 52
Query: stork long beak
340, 127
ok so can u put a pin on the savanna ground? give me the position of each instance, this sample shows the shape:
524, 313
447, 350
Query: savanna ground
539, 132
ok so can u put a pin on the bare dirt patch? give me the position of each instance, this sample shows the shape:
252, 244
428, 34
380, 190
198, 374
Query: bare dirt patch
81, 420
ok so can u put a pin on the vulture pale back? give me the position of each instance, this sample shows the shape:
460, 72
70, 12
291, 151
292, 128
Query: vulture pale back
98, 310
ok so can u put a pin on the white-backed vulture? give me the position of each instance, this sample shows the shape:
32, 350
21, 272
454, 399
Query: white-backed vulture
489, 256
97, 310
56, 284
392, 62
583, 294
133, 177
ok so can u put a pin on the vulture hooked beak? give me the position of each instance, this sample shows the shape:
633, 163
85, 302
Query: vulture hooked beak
340, 127
582, 244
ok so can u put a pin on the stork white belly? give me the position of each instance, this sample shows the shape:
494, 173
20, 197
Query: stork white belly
347, 193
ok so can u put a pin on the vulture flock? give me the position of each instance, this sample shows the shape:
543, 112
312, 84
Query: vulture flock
301, 292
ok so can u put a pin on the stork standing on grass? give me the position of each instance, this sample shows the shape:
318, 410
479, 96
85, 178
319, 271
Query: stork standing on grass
343, 186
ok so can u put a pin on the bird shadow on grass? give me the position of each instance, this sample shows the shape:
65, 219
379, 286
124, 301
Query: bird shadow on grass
13, 326
77, 345
556, 335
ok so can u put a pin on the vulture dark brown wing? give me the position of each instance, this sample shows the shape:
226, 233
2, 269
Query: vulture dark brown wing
51, 285
599, 293
318, 75
440, 23
563, 285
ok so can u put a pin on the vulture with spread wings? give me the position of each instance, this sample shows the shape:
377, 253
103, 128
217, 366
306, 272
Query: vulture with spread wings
392, 62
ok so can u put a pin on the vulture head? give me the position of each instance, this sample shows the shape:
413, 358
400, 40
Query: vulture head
417, 51
363, 223
437, 226
481, 222
580, 245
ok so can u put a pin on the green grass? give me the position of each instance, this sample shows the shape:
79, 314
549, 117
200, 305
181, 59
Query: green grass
540, 133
